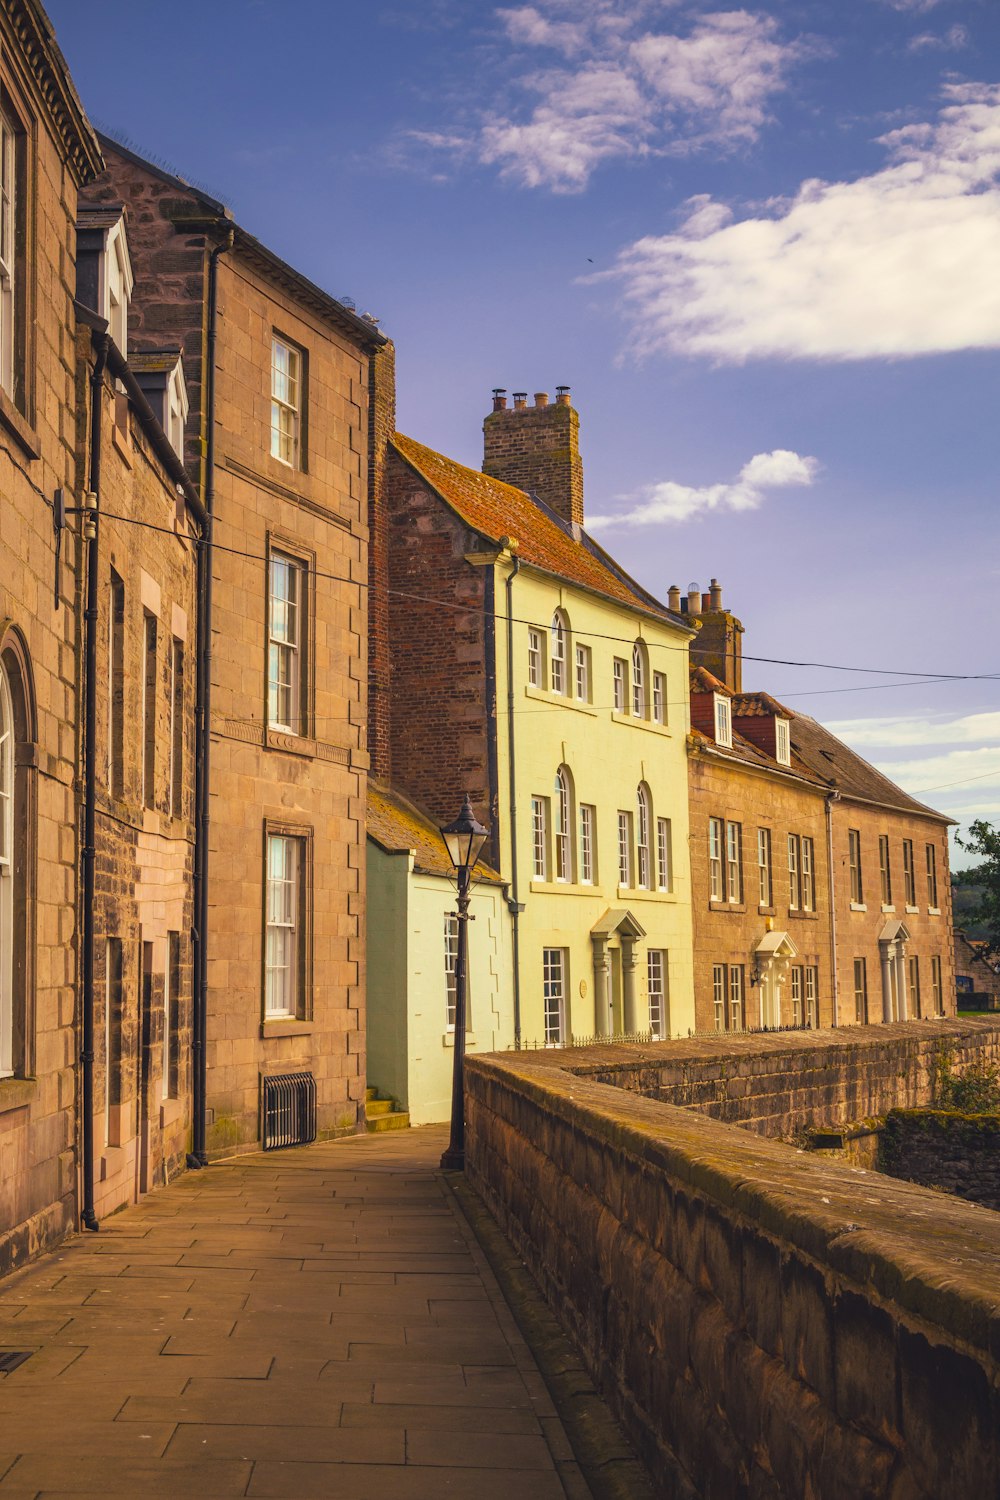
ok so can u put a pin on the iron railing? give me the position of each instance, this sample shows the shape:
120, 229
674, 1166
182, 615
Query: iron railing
644, 1038
288, 1110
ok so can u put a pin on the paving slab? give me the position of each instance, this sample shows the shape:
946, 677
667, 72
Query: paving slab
319, 1321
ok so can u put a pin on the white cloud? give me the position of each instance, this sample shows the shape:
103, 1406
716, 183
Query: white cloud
954, 767
901, 262
669, 501
900, 730
628, 88
952, 40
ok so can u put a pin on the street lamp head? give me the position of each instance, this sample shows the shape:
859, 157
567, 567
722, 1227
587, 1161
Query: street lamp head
464, 839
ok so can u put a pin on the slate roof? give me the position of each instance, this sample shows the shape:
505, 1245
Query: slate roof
745, 751
498, 510
843, 768
397, 826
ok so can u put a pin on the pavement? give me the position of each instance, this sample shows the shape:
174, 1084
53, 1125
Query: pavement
314, 1322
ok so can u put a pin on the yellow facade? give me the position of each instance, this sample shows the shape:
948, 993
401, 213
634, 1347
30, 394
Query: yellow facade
594, 939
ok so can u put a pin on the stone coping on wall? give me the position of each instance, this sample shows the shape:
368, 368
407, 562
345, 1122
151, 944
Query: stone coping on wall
937, 1258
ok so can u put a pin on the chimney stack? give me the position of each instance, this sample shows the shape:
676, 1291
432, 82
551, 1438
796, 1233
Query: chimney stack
674, 599
715, 595
694, 599
718, 644
537, 449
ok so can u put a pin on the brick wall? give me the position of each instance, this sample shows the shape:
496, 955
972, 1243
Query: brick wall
762, 1323
538, 449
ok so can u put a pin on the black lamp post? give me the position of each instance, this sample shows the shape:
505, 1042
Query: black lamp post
464, 840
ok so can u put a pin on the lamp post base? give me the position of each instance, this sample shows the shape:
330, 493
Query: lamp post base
453, 1160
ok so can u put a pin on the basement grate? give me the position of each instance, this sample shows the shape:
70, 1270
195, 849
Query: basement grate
11, 1358
288, 1110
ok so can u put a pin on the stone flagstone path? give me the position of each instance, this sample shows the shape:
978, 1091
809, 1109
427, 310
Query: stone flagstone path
313, 1322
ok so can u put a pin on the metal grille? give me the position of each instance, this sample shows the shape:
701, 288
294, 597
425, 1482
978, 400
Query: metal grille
10, 1359
288, 1110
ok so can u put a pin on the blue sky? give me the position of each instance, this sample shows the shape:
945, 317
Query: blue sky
762, 246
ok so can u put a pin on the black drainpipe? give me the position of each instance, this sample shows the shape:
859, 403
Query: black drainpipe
102, 341
203, 732
513, 905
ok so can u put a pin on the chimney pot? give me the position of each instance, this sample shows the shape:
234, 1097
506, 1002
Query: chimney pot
706, 603
674, 598
499, 398
716, 594
562, 395
694, 598
520, 400
541, 398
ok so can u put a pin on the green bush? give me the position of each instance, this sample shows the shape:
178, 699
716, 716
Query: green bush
974, 1092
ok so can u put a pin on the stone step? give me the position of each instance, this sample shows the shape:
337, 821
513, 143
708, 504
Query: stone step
378, 1106
370, 1094
399, 1119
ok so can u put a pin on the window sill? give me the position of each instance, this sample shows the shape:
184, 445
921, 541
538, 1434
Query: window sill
887, 910
768, 911
648, 724
561, 888
912, 910
934, 911
803, 916
640, 893
733, 906
17, 1093
292, 744
19, 428
560, 700
285, 1026
448, 1040
858, 906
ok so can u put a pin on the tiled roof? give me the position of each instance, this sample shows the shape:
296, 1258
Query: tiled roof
759, 706
703, 681
397, 826
497, 510
843, 768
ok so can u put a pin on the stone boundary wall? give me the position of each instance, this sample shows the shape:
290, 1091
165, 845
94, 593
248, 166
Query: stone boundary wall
784, 1083
944, 1149
764, 1323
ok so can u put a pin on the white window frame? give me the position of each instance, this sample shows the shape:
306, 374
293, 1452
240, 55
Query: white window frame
782, 743
644, 818
796, 992
716, 876
884, 869
765, 888
286, 620
6, 876
150, 659
659, 698
664, 854
176, 409
734, 862
812, 995
10, 190
913, 982
624, 850
723, 721
554, 977
540, 837
283, 924
559, 640
930, 860
937, 989
118, 285
587, 823
451, 969
619, 685
656, 990
535, 658
286, 402
794, 873
639, 696
165, 1044
808, 874
719, 995
854, 866
860, 991
909, 874
582, 654
736, 999
563, 827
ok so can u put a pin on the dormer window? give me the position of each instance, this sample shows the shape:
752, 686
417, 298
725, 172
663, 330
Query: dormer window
160, 376
723, 721
176, 409
104, 268
119, 286
782, 746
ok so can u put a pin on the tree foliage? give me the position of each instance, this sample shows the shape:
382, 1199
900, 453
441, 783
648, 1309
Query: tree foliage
983, 840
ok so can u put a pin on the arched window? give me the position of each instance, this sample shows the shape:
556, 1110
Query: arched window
559, 651
642, 826
639, 675
563, 825
6, 876
16, 912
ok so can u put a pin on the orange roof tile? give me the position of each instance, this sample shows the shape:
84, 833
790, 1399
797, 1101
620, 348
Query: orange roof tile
497, 510
704, 681
397, 826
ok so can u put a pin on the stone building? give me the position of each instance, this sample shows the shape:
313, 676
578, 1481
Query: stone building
277, 376
977, 976
48, 153
514, 660
821, 890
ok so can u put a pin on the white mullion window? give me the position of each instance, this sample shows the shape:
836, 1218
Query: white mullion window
563, 827
557, 662
540, 837
638, 682
808, 875
450, 968
782, 745
625, 849
535, 658
734, 862
796, 995
656, 971
284, 917
719, 996
736, 1016
165, 1044
8, 248
642, 838
583, 673
723, 721
812, 995
664, 855
659, 698
937, 993
932, 886
586, 844
286, 402
554, 990
793, 872
764, 888
285, 619
619, 694
715, 880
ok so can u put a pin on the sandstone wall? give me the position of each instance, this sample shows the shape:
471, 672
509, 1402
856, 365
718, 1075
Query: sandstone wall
765, 1324
944, 1149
